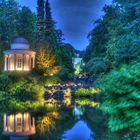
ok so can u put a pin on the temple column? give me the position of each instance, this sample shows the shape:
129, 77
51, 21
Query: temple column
8, 124
29, 62
23, 122
8, 62
33, 121
34, 62
14, 123
5, 127
15, 62
23, 62
29, 119
5, 62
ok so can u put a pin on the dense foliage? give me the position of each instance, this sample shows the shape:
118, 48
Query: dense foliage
23, 88
27, 25
115, 38
122, 98
11, 22
46, 63
113, 55
46, 81
40, 21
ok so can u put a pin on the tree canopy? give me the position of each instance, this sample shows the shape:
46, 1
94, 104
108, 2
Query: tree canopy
113, 56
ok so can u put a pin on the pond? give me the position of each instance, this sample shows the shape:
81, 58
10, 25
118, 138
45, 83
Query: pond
57, 119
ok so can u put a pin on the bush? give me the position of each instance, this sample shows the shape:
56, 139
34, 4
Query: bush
15, 106
30, 91
121, 91
65, 74
21, 88
83, 92
4, 81
95, 66
16, 86
45, 81
36, 92
46, 62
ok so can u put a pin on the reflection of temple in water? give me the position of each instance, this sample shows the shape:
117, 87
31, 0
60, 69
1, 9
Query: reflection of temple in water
18, 126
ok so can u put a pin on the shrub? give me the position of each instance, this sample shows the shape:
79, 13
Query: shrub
31, 91
16, 86
15, 105
95, 66
21, 88
46, 62
45, 81
36, 92
65, 74
121, 91
4, 81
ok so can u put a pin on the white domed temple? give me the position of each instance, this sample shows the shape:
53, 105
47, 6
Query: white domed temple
20, 57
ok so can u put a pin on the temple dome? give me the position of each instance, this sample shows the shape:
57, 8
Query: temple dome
20, 40
20, 44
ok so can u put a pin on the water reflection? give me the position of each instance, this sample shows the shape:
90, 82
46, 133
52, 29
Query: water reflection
78, 111
80, 131
59, 119
47, 122
19, 125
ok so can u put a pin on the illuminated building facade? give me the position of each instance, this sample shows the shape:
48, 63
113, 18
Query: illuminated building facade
20, 57
77, 62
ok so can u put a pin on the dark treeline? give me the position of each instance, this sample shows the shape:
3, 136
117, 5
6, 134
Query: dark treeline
115, 39
113, 55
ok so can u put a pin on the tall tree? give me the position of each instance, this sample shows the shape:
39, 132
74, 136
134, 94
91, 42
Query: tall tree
50, 34
9, 13
120, 87
27, 25
96, 51
9, 10
40, 23
53, 37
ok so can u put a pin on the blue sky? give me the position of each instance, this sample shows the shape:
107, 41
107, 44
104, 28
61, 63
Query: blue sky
74, 17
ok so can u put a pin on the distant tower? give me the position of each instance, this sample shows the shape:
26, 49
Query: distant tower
77, 55
77, 62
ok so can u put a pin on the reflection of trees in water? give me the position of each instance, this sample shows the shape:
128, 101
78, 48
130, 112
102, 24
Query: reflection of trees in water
66, 101
47, 123
97, 121
60, 118
86, 102
53, 126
